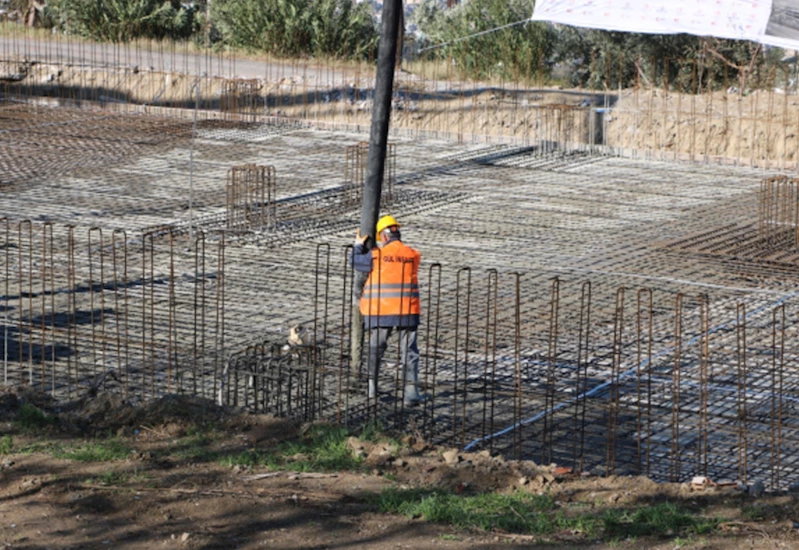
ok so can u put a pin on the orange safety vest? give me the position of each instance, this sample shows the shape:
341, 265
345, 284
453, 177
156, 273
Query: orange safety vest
393, 284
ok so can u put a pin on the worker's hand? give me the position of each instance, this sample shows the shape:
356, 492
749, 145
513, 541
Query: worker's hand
361, 239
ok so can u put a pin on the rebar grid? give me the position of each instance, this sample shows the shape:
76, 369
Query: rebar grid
632, 381
355, 173
778, 215
241, 97
678, 109
625, 363
250, 193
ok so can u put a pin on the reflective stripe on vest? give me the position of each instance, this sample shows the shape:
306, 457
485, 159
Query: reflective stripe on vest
392, 287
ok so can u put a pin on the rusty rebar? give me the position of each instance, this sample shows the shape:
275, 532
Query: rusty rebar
7, 247
29, 225
583, 360
613, 389
517, 360
72, 338
51, 292
644, 357
552, 356
466, 321
740, 332
777, 385
99, 231
674, 462
429, 418
322, 257
704, 380
348, 279
120, 361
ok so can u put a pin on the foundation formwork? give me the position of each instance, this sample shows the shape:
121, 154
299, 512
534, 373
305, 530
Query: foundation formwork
570, 314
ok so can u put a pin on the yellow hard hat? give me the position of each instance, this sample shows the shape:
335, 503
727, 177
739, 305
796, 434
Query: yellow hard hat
385, 222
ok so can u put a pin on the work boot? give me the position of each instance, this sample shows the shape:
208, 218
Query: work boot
413, 396
372, 388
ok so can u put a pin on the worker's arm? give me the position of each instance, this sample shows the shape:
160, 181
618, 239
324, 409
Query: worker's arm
361, 257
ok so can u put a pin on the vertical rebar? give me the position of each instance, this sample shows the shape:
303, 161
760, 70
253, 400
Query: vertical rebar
517, 360
552, 356
433, 319
72, 338
740, 332
99, 231
126, 373
613, 390
674, 466
322, 256
704, 379
219, 330
345, 293
7, 247
777, 369
466, 317
489, 350
583, 360
21, 294
644, 357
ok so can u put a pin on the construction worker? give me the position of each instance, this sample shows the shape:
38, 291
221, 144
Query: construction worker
390, 300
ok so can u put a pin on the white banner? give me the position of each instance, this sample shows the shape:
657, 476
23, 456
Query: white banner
774, 22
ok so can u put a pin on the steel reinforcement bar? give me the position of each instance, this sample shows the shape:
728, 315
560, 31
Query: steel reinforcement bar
605, 379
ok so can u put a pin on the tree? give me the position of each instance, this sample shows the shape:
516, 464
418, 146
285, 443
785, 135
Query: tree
516, 51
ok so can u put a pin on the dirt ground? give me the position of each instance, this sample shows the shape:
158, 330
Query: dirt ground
170, 490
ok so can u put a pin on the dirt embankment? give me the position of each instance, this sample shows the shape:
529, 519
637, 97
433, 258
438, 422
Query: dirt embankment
757, 127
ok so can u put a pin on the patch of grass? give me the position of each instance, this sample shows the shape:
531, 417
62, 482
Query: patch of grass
93, 451
539, 515
753, 513
657, 520
762, 512
111, 478
32, 419
322, 448
6, 445
248, 459
515, 513
372, 431
196, 447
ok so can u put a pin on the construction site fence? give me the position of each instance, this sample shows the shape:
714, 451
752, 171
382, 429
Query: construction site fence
655, 109
593, 376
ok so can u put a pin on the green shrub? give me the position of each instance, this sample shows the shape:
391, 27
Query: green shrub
6, 445
339, 28
520, 51
31, 419
123, 20
93, 451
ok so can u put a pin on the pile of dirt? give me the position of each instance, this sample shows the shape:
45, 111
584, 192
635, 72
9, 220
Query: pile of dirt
14, 397
107, 412
264, 431
416, 464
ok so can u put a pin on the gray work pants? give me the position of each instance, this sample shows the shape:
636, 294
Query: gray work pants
409, 352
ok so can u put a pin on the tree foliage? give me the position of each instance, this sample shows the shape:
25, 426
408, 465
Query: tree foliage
123, 20
598, 59
339, 28
585, 57
517, 51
